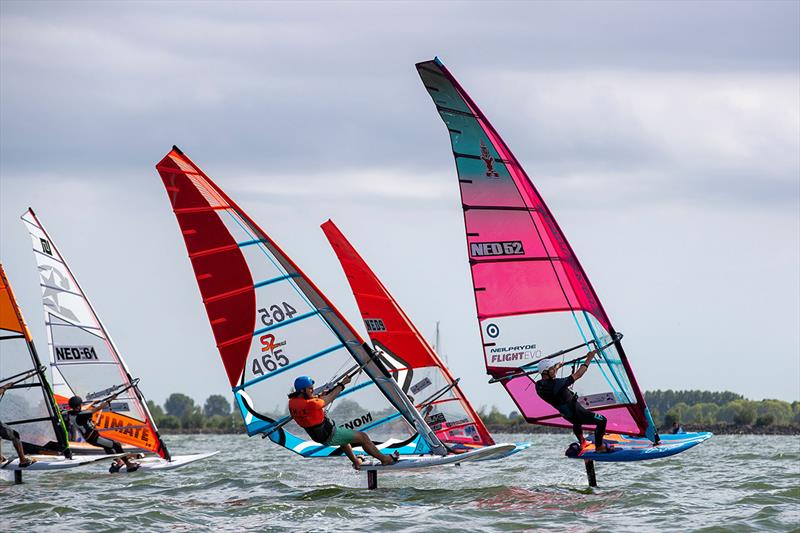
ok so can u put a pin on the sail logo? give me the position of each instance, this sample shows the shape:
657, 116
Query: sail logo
493, 330
102, 393
508, 354
75, 353
488, 160
484, 249
420, 385
374, 324
357, 422
123, 426
46, 247
436, 418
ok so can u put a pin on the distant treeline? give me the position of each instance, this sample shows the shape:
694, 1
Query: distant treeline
181, 413
695, 408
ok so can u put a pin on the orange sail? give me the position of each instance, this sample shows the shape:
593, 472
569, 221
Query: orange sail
28, 405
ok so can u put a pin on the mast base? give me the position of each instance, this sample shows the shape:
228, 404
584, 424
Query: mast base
590, 472
372, 479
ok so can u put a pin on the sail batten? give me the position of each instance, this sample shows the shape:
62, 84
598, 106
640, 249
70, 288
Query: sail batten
412, 361
531, 293
271, 324
28, 405
83, 357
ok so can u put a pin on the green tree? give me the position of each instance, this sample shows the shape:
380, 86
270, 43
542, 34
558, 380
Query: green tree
676, 413
739, 412
216, 404
765, 420
218, 422
179, 405
169, 422
778, 411
193, 419
701, 413
155, 409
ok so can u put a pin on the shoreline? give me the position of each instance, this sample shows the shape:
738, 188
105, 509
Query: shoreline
530, 429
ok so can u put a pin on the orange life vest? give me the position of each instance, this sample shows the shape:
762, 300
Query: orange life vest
307, 412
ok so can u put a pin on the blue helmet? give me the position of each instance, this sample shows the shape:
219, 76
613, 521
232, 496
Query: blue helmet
303, 382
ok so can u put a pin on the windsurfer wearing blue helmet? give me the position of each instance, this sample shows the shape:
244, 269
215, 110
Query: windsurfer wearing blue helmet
557, 392
308, 410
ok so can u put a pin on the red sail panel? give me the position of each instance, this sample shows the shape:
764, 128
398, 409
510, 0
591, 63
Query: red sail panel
419, 368
532, 295
220, 269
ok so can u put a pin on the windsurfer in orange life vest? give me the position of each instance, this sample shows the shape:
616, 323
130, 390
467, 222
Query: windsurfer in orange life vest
307, 409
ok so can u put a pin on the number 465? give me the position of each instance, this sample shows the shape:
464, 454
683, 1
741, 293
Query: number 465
276, 314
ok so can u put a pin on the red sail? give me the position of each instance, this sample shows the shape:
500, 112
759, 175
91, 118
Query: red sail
419, 370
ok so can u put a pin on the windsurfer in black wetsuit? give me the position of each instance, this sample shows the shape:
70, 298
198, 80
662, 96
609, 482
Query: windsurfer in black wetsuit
81, 421
557, 393
9, 433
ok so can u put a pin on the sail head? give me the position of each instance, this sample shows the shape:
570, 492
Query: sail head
412, 361
271, 324
533, 298
83, 358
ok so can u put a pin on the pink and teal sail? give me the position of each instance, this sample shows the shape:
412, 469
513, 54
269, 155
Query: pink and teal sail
532, 296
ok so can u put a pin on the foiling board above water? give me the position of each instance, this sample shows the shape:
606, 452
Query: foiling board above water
625, 448
177, 461
436, 460
53, 462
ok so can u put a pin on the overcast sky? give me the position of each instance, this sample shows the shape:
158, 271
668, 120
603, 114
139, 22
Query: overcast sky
664, 136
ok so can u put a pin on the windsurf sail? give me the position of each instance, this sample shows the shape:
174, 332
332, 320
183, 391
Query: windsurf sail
418, 369
272, 324
533, 297
83, 358
28, 405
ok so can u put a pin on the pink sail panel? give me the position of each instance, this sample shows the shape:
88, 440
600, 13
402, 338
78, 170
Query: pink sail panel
533, 298
419, 369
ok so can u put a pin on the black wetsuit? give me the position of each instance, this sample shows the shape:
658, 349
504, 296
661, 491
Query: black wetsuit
82, 422
557, 393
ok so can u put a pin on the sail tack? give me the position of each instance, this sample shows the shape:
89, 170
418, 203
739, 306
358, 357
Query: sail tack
272, 324
532, 296
83, 358
28, 405
418, 368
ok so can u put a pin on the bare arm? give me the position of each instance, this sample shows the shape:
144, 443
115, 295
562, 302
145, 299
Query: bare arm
331, 395
100, 406
578, 374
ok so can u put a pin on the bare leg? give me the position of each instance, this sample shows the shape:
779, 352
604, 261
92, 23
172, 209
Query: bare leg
348, 451
23, 460
363, 440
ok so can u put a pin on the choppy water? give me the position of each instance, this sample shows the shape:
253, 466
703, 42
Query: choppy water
729, 483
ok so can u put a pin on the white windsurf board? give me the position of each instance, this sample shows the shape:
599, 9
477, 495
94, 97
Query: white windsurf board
437, 460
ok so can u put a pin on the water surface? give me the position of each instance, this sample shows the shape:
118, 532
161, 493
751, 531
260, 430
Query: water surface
729, 483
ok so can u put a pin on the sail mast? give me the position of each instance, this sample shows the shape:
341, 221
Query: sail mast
53, 411
221, 239
35, 228
527, 279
